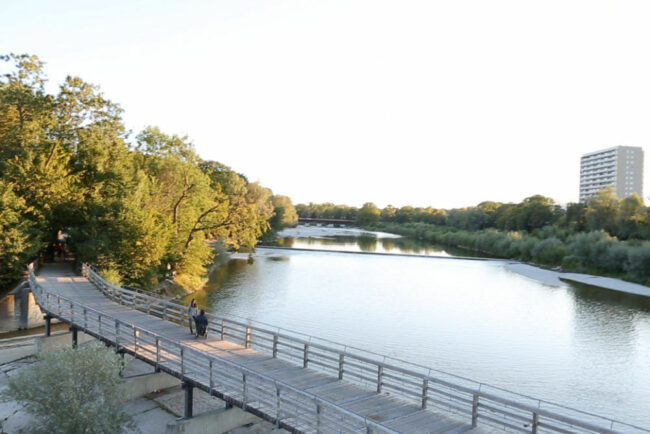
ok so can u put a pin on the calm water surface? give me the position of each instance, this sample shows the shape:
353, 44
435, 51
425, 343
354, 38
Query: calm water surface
578, 346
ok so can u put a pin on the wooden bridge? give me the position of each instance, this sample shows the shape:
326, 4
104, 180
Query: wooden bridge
300, 383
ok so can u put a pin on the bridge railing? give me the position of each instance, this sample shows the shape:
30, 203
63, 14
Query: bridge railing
428, 388
269, 398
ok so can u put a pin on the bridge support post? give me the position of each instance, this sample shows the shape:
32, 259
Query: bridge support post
122, 361
75, 337
189, 396
48, 325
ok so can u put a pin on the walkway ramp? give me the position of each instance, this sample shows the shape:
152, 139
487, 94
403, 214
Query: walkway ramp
300, 383
74, 299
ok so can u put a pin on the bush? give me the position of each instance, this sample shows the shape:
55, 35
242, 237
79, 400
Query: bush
523, 248
638, 265
614, 258
112, 275
589, 247
549, 251
73, 391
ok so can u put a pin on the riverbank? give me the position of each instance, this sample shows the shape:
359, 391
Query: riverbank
558, 278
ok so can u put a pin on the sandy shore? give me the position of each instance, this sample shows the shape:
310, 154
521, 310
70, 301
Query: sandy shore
324, 231
556, 278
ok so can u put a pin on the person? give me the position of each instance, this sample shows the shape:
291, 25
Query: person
192, 310
201, 322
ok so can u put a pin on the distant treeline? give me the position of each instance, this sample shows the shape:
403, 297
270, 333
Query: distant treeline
606, 235
138, 208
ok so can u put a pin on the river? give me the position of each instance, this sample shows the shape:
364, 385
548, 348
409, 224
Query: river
582, 347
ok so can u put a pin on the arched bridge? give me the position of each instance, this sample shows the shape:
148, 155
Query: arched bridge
302, 384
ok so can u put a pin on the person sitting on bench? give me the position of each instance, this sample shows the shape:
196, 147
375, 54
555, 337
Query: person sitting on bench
201, 322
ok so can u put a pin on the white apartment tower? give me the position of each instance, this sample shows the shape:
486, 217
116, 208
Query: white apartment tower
620, 167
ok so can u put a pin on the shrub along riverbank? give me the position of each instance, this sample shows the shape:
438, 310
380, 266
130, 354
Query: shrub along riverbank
594, 252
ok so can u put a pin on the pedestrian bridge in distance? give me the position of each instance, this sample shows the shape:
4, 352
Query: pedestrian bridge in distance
326, 221
300, 383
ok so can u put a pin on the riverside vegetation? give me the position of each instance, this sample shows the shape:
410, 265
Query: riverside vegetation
605, 236
131, 204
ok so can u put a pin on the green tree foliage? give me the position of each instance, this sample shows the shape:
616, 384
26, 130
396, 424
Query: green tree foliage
632, 220
602, 210
368, 214
130, 208
19, 239
285, 213
73, 391
605, 235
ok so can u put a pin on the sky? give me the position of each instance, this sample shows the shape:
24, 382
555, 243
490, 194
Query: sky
422, 103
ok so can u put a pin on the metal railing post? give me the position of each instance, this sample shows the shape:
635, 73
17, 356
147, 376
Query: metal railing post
182, 362
318, 419
425, 392
211, 379
475, 410
223, 329
275, 346
535, 423
248, 338
305, 356
117, 335
157, 352
244, 391
277, 406
380, 375
341, 366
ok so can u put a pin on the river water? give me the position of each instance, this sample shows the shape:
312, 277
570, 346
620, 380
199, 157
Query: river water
582, 347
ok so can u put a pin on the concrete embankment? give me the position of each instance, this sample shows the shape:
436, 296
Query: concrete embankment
557, 278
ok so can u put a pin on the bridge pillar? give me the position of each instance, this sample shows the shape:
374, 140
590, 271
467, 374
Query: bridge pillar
122, 361
189, 397
48, 325
75, 339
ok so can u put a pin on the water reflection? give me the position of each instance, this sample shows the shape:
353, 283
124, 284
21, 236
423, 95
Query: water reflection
580, 346
373, 244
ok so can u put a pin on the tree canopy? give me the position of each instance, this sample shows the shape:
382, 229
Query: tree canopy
130, 205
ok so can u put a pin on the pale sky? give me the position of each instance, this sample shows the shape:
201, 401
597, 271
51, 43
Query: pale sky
440, 103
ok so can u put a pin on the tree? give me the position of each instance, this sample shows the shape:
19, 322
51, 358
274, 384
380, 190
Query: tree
574, 217
534, 212
388, 213
368, 214
73, 391
602, 210
285, 213
19, 238
631, 219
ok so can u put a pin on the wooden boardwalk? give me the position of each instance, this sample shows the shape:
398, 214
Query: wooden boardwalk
299, 383
387, 411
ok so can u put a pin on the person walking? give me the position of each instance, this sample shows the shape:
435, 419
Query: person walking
192, 311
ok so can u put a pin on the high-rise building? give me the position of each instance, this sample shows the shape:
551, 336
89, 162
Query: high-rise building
620, 167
